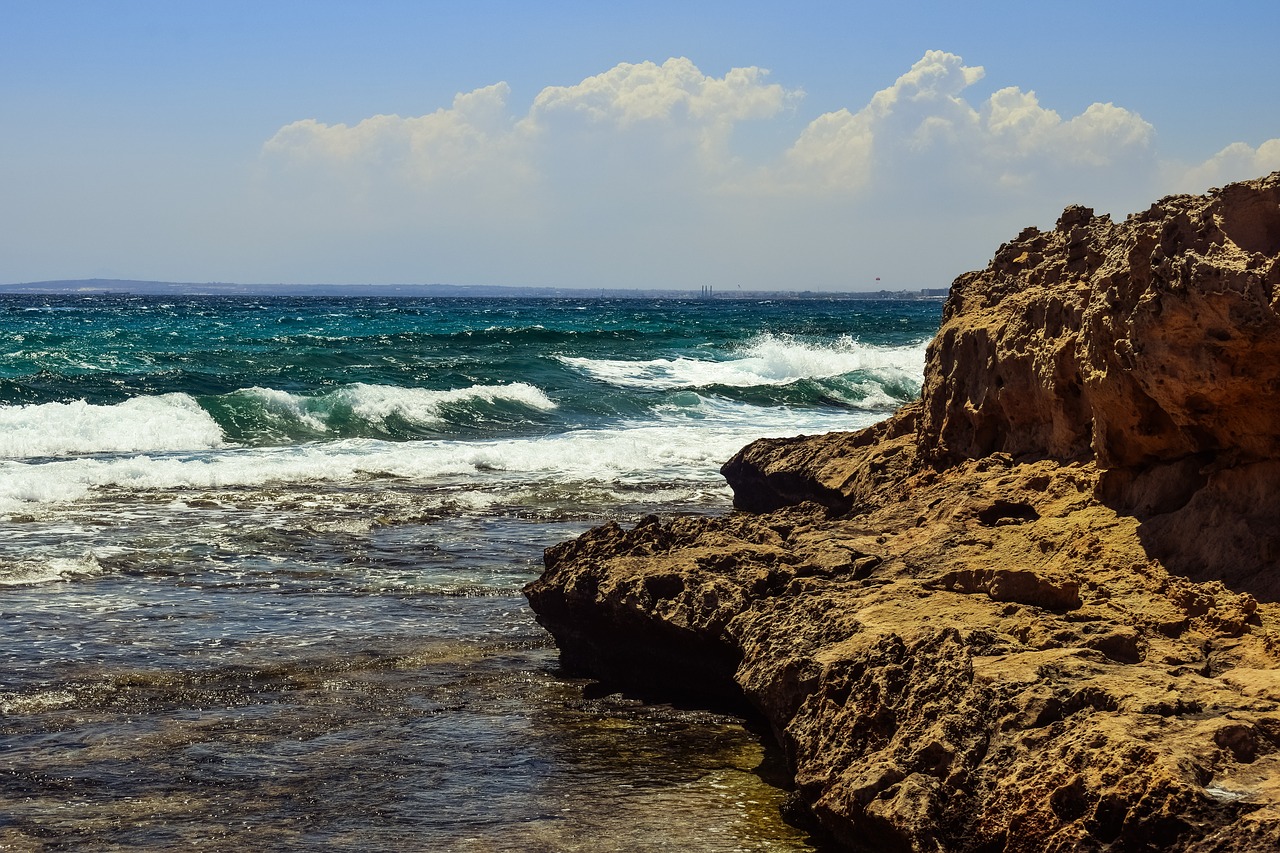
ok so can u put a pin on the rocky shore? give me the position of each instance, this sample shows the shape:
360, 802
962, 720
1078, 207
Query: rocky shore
1037, 610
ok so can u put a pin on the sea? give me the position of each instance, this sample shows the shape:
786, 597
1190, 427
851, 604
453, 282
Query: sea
261, 561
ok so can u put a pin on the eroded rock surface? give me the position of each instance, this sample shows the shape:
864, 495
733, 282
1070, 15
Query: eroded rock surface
1036, 610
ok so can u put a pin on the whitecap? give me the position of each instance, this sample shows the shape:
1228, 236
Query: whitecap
676, 448
169, 422
377, 403
765, 360
281, 406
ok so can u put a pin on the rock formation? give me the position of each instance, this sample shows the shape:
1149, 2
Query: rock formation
1036, 610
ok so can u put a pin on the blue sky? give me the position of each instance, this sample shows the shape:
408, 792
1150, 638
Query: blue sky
605, 145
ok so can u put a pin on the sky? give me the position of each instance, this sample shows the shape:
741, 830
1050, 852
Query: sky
742, 146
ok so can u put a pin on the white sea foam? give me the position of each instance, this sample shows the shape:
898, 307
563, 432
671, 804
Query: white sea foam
418, 405
766, 360
169, 422
33, 570
375, 404
680, 446
45, 700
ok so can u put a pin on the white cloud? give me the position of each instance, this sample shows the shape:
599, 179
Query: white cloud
673, 105
1237, 162
692, 111
839, 151
630, 93
922, 123
672, 119
474, 135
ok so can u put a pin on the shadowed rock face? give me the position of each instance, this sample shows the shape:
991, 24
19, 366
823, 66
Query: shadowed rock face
1035, 610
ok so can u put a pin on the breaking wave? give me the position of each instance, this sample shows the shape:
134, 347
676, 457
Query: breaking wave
164, 423
684, 444
178, 422
256, 415
771, 361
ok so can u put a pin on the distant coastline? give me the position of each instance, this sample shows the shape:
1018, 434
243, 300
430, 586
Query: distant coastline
104, 286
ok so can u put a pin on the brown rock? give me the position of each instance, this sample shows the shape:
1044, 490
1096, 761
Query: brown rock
1147, 341
1037, 611
841, 470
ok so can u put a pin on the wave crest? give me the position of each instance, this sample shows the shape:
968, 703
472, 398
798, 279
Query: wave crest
676, 449
768, 361
164, 423
375, 411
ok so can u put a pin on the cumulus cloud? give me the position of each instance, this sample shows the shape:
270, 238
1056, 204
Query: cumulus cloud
1238, 161
630, 93
641, 175
474, 135
674, 104
479, 132
923, 123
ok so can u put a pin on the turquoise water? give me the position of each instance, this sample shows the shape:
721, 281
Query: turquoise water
260, 560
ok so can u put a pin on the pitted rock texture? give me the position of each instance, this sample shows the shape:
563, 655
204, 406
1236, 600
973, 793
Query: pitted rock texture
1151, 347
1036, 610
1141, 342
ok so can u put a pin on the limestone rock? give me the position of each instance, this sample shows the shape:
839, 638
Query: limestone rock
839, 470
1146, 341
1035, 611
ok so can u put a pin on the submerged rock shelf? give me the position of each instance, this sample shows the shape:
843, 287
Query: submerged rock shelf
1037, 610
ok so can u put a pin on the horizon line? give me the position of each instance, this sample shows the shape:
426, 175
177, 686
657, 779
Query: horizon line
142, 286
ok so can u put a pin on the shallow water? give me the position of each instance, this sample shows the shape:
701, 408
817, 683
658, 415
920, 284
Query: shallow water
359, 694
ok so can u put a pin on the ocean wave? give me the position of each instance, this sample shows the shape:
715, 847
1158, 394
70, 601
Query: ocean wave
767, 360
674, 449
178, 422
379, 403
373, 411
853, 392
164, 423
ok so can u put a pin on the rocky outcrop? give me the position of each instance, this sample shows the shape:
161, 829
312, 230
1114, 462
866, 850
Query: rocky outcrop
840, 470
1036, 610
